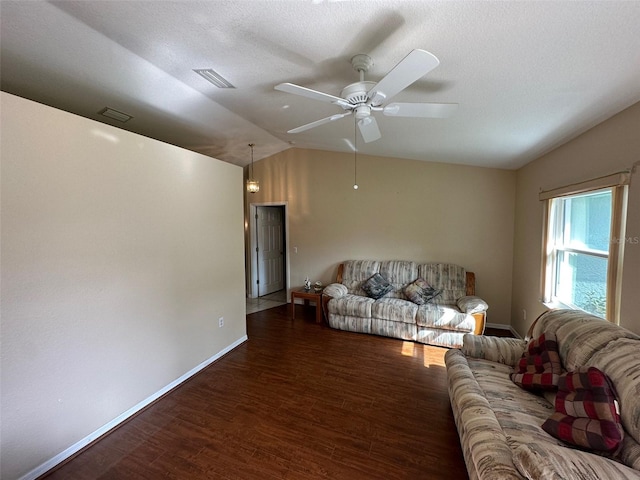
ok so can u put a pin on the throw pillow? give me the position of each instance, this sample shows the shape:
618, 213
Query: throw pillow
420, 292
547, 461
376, 286
540, 367
586, 411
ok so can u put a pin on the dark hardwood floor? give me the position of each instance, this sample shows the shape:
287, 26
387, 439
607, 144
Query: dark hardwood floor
297, 401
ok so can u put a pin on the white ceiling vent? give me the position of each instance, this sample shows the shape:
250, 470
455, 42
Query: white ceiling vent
115, 114
214, 77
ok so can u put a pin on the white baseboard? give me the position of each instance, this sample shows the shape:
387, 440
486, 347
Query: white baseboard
500, 326
76, 447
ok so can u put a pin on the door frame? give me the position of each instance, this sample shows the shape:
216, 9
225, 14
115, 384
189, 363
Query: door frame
252, 290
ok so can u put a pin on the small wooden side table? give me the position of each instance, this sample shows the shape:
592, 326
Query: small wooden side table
307, 295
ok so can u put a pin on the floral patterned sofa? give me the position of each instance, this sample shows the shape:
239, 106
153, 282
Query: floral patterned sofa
501, 425
442, 320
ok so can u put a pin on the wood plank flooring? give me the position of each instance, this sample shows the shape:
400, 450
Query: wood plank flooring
297, 401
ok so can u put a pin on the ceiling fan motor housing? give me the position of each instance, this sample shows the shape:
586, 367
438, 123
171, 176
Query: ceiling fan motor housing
356, 93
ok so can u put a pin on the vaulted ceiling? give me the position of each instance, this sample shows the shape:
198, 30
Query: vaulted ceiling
528, 75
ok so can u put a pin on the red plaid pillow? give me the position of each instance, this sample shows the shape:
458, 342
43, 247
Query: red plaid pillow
586, 411
540, 366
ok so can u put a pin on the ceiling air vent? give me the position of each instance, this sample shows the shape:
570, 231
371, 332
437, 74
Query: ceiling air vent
213, 77
115, 114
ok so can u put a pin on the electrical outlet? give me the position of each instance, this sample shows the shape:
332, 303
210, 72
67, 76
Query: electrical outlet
221, 322
524, 314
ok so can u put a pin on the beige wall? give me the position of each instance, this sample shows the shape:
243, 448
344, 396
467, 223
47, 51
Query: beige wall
404, 209
119, 253
612, 146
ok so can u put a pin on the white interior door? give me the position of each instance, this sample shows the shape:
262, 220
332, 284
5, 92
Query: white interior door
270, 249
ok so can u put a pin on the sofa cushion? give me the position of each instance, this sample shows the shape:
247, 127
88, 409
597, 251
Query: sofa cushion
395, 310
630, 452
540, 367
586, 413
420, 292
620, 360
356, 272
376, 286
351, 306
450, 279
398, 273
519, 412
545, 461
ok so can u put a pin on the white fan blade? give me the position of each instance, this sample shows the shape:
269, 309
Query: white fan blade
415, 65
317, 123
420, 110
369, 129
313, 94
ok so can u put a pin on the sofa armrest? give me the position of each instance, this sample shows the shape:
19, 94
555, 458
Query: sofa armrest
335, 290
496, 349
482, 438
471, 304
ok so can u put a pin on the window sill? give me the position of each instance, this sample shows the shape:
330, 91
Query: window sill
559, 305
556, 305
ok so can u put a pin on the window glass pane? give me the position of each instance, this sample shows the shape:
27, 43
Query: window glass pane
587, 221
581, 281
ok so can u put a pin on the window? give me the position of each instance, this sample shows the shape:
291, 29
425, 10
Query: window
582, 267
579, 241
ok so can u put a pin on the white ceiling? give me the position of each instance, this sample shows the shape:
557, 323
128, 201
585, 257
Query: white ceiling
528, 75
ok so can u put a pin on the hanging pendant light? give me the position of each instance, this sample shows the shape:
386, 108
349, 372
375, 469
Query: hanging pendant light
252, 185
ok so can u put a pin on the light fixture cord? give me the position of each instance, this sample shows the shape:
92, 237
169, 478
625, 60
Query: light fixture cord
355, 151
251, 146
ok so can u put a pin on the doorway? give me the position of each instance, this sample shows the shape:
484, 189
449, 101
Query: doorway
268, 250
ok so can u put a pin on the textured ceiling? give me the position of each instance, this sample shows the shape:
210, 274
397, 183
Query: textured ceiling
528, 75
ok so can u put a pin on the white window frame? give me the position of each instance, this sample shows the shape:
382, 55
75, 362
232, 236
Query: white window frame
618, 183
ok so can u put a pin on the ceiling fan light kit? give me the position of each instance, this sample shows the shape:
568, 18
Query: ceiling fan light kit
363, 98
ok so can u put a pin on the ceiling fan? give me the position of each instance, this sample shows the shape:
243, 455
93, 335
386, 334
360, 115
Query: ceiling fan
364, 97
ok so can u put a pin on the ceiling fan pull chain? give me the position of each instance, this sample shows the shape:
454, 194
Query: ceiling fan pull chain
355, 153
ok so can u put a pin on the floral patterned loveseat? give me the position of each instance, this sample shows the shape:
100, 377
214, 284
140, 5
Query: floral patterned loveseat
441, 320
501, 425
